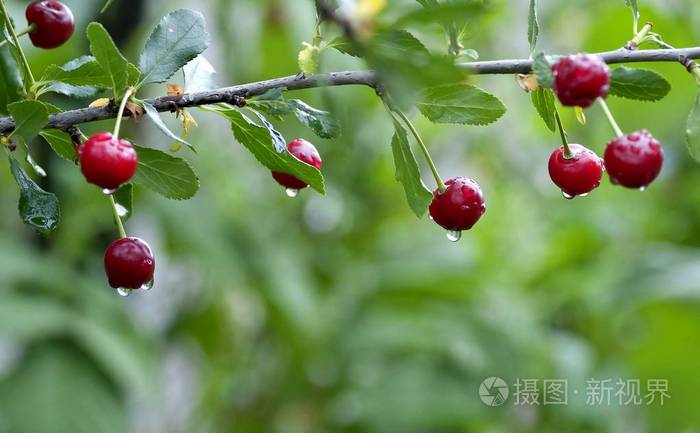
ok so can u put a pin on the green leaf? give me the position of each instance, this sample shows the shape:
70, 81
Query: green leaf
199, 75
344, 45
404, 66
408, 173
115, 66
321, 122
460, 103
692, 132
167, 175
38, 208
30, 117
258, 141
124, 198
533, 26
542, 68
272, 103
155, 117
277, 138
640, 84
61, 143
177, 39
17, 55
543, 101
309, 59
83, 71
10, 81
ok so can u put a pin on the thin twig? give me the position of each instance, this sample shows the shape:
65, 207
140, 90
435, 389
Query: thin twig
368, 78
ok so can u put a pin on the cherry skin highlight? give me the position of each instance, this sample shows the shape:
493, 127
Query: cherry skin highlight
106, 161
460, 206
578, 175
580, 79
305, 152
53, 21
129, 263
634, 160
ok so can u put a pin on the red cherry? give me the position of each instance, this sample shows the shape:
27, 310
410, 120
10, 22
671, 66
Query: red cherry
106, 161
580, 79
53, 21
460, 206
634, 160
305, 152
129, 264
577, 175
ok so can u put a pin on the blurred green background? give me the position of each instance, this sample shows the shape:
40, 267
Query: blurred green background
345, 313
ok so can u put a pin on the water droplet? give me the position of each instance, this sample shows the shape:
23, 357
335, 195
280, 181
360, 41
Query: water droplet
584, 195
123, 292
454, 235
567, 195
292, 192
147, 286
643, 188
109, 191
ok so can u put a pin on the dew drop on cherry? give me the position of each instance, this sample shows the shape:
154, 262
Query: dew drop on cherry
567, 195
292, 192
108, 191
642, 188
123, 292
584, 194
454, 235
147, 286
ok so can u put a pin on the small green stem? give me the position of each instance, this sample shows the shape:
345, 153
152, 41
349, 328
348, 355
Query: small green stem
120, 113
28, 30
117, 218
25, 63
440, 184
610, 117
568, 154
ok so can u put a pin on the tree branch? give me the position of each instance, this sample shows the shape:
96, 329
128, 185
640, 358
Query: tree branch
231, 94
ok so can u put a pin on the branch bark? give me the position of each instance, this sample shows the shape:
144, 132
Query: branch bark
231, 94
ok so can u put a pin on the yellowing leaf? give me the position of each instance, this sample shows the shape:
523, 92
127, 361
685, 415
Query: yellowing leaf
174, 89
309, 58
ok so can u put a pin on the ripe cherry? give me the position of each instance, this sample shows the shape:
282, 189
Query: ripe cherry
634, 160
580, 79
53, 22
459, 207
305, 152
577, 175
129, 264
106, 161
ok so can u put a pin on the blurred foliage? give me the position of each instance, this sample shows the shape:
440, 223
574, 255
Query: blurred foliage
344, 312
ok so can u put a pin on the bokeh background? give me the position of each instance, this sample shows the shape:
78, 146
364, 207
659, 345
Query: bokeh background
344, 312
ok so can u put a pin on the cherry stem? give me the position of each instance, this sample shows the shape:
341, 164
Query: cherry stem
120, 113
568, 154
26, 31
25, 63
117, 218
440, 184
610, 117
